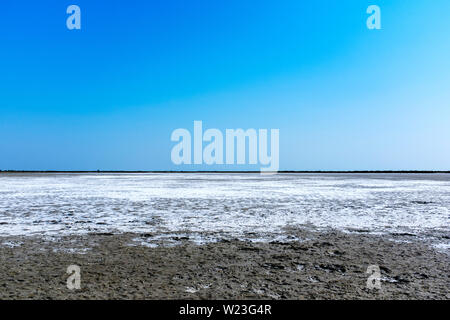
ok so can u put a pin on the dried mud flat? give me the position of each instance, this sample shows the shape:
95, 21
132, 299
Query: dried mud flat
328, 265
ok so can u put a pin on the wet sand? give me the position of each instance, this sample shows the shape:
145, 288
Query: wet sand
328, 265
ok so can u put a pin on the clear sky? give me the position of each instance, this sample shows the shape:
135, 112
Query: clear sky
108, 96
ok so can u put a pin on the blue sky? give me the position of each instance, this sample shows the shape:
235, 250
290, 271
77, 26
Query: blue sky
108, 96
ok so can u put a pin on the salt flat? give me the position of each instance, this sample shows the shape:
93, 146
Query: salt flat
206, 207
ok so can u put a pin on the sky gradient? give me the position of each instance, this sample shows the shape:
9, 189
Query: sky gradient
108, 96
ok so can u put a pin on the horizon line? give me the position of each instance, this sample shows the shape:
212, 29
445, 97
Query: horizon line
222, 171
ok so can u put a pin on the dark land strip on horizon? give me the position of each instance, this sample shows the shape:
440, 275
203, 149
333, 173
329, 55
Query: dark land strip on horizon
217, 171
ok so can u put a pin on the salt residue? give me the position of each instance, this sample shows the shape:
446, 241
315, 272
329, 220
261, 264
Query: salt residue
232, 205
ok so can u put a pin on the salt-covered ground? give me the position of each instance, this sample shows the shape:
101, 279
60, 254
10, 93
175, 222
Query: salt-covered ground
205, 207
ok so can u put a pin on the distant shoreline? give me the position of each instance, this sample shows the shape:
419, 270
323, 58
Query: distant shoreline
234, 171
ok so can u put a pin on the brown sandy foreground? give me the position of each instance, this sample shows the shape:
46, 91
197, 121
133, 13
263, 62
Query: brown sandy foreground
329, 265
